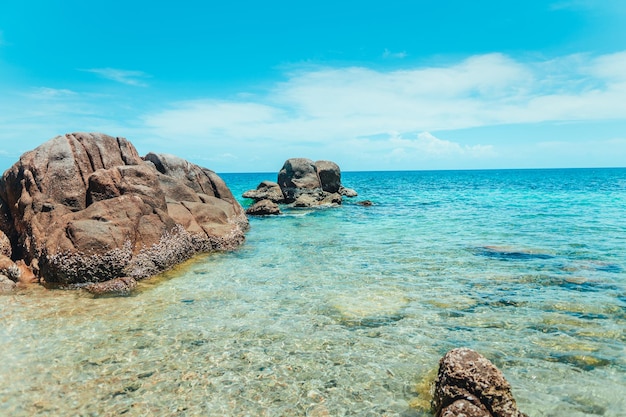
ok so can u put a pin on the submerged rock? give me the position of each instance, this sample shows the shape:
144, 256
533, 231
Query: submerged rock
469, 385
116, 286
303, 183
85, 207
369, 308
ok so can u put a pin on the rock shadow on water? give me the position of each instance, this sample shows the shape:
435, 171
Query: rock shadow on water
506, 253
582, 284
584, 362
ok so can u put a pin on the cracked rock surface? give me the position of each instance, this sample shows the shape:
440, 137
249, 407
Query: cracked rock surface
87, 208
469, 385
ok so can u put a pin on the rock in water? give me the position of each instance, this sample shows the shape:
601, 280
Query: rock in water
112, 287
469, 385
303, 183
298, 176
267, 190
87, 208
263, 208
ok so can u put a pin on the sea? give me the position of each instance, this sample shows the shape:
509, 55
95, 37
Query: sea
346, 311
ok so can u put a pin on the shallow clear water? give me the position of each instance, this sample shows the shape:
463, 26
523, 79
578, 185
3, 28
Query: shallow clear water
347, 311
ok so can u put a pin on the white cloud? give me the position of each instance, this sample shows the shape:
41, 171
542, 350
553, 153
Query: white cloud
399, 55
43, 93
379, 114
134, 78
330, 104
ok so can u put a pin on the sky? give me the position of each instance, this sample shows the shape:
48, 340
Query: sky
241, 86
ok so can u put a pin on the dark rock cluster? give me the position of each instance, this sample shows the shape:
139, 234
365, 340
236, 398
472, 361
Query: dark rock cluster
469, 385
85, 208
301, 183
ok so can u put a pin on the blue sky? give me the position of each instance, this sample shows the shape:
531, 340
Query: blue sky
241, 86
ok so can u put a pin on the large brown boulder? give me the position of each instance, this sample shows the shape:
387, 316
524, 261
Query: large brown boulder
87, 208
298, 175
469, 385
303, 183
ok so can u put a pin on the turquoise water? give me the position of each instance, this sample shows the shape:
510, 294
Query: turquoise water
346, 311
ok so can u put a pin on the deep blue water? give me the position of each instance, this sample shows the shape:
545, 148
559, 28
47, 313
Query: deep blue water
346, 311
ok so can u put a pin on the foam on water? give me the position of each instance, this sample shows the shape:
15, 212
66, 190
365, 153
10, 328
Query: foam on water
347, 311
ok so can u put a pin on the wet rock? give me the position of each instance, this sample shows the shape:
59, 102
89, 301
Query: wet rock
85, 207
26, 274
263, 208
5, 245
365, 203
304, 183
5, 263
347, 192
266, 190
468, 384
464, 408
113, 287
6, 285
9, 269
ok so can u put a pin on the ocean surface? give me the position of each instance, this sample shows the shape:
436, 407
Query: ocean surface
346, 311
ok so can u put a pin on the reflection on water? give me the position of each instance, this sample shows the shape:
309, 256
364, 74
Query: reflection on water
347, 311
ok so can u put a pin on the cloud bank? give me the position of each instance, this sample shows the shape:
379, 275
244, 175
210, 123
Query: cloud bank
394, 115
408, 118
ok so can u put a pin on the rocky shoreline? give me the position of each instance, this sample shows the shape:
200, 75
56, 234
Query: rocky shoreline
85, 208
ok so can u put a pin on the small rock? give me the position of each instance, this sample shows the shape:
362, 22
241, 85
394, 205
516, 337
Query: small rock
365, 203
27, 276
263, 208
6, 285
468, 384
266, 190
5, 263
116, 286
347, 192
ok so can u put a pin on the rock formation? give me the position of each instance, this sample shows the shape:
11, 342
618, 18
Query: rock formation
86, 208
264, 208
469, 385
301, 183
